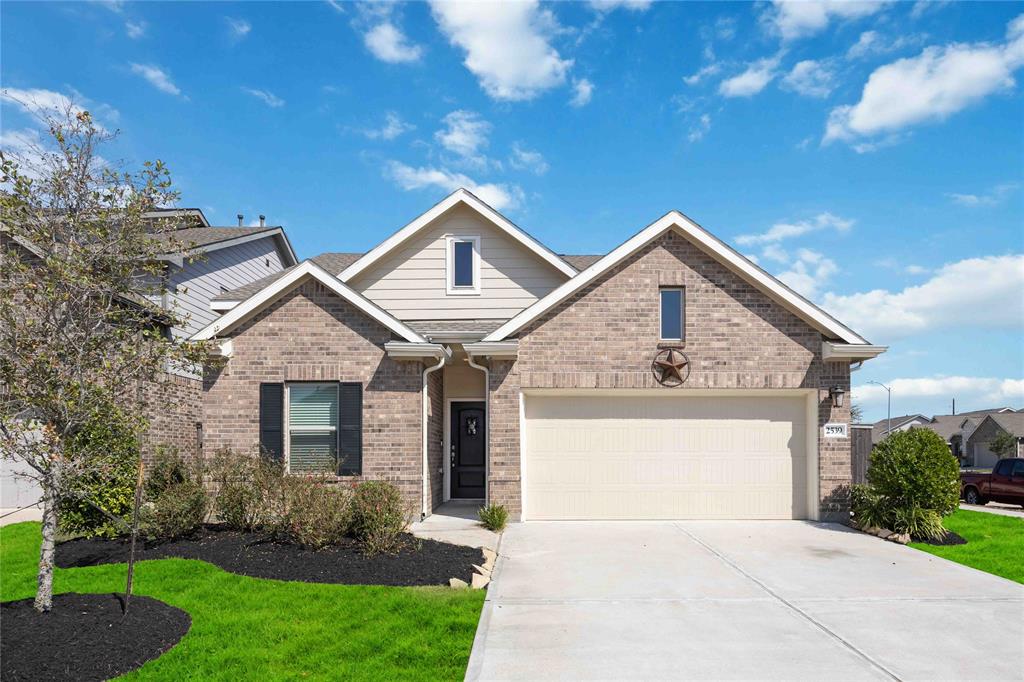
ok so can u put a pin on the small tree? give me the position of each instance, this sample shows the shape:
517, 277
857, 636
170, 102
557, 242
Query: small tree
81, 329
856, 413
1004, 445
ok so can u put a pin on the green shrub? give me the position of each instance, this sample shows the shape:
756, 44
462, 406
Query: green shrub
178, 510
249, 490
869, 508
378, 516
168, 469
915, 469
918, 523
316, 513
494, 517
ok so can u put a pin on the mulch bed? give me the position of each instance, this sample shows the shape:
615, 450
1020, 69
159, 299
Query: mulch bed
950, 538
417, 562
85, 637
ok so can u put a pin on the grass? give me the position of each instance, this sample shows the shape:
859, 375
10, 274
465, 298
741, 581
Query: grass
244, 628
995, 544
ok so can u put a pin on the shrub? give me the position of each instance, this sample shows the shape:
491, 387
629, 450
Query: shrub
915, 469
168, 469
869, 508
494, 517
178, 510
378, 516
918, 523
249, 490
316, 513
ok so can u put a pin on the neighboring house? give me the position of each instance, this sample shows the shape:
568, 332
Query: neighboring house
462, 359
977, 444
883, 427
957, 430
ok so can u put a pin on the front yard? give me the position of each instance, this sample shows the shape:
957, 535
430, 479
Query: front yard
995, 544
244, 628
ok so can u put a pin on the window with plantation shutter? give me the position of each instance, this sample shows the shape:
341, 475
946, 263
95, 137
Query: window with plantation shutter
312, 427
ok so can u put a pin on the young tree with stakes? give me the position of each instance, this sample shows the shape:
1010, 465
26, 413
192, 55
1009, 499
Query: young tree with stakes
81, 328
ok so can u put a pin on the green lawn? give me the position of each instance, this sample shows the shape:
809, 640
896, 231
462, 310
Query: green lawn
995, 544
249, 628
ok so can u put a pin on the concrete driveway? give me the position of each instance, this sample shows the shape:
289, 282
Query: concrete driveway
739, 600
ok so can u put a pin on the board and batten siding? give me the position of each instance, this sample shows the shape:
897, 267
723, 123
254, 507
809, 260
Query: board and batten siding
192, 287
410, 282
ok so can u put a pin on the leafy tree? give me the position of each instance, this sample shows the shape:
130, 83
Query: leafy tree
81, 328
856, 413
1004, 445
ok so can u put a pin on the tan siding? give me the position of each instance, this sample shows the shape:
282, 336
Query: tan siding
410, 283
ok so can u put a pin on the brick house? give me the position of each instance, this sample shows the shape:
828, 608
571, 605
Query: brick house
462, 359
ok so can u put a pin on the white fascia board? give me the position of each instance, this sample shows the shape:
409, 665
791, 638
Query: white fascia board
707, 242
499, 349
831, 351
223, 306
464, 197
235, 241
403, 350
275, 289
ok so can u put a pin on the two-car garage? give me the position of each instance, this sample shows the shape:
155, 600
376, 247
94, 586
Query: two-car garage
693, 455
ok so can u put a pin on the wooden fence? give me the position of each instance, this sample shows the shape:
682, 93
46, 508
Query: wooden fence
861, 452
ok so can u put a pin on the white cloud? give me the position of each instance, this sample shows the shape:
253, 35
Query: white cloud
922, 7
874, 43
967, 390
797, 19
582, 92
776, 253
238, 29
916, 270
265, 96
752, 81
972, 293
809, 272
527, 159
704, 72
336, 6
499, 196
156, 77
810, 78
929, 87
700, 129
609, 5
393, 127
135, 29
38, 101
507, 45
387, 43
780, 231
465, 134
993, 197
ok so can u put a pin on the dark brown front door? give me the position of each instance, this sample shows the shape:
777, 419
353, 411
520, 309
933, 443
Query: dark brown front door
468, 436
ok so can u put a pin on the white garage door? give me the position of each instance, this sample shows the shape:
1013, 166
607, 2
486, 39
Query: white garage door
665, 457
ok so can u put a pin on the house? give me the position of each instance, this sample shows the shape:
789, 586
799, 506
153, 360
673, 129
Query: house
883, 427
957, 429
460, 358
976, 446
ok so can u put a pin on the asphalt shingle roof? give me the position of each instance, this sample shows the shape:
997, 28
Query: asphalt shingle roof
333, 263
204, 236
580, 262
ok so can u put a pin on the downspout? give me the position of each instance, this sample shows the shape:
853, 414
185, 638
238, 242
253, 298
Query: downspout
487, 426
424, 509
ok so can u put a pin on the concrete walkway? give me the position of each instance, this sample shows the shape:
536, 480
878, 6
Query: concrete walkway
738, 600
456, 522
995, 508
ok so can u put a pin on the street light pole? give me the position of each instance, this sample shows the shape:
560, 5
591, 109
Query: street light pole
888, 407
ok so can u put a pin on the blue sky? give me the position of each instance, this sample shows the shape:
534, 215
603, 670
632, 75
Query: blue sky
870, 154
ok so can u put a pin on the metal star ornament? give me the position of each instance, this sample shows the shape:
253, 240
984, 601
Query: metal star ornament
672, 367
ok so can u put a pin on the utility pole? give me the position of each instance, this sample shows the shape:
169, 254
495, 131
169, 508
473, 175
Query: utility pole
888, 407
954, 405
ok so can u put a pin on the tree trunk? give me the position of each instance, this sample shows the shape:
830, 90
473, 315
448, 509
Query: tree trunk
44, 590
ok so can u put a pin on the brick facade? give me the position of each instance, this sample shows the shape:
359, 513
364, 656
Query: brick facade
605, 337
311, 334
173, 406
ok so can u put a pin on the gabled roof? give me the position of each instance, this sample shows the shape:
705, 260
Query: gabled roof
213, 238
718, 249
880, 429
467, 198
1011, 422
292, 278
331, 262
580, 262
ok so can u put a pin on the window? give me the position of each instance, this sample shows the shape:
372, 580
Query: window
1004, 468
463, 260
312, 436
672, 317
1018, 468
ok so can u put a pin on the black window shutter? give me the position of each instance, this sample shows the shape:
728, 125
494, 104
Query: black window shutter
272, 421
350, 429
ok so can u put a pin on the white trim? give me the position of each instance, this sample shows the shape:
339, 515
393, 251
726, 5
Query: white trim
682, 314
707, 242
500, 349
403, 350
272, 291
459, 196
522, 456
222, 306
831, 351
235, 241
449, 265
813, 465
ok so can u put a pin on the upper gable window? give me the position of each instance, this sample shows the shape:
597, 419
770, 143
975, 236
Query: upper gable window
672, 314
463, 265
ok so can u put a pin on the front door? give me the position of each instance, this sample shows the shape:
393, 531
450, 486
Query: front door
468, 451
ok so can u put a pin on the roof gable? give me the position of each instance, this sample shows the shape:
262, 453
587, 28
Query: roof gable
291, 279
716, 248
464, 197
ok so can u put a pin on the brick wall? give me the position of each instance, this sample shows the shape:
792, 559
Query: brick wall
312, 334
606, 336
172, 405
435, 437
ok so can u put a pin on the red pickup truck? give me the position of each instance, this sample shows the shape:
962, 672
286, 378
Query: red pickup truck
1005, 483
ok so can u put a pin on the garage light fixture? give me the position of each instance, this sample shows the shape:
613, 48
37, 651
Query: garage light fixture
836, 394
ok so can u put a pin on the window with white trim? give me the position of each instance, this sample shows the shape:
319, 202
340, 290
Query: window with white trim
463, 265
312, 427
673, 317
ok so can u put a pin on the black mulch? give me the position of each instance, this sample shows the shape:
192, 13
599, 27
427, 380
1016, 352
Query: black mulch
85, 637
950, 538
417, 562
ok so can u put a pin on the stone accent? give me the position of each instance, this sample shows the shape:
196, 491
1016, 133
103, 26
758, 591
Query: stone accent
736, 337
311, 334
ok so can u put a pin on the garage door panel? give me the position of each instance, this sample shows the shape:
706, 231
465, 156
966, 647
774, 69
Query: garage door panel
640, 457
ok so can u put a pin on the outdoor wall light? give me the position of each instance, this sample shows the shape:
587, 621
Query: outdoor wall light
836, 394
